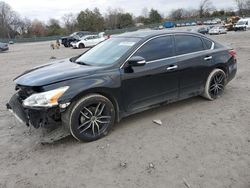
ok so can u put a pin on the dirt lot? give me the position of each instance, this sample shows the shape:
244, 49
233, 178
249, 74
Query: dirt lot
203, 144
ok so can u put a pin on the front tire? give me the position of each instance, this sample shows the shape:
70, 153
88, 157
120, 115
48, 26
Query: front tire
90, 118
215, 84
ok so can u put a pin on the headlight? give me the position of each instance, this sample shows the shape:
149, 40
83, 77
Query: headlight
45, 99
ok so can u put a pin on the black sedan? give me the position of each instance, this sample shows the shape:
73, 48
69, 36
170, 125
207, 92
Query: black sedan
3, 47
202, 30
124, 75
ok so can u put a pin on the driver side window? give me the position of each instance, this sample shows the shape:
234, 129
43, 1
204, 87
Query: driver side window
158, 48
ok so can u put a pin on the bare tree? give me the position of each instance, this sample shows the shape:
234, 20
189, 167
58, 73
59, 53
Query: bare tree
176, 14
38, 28
112, 18
240, 6
145, 13
205, 7
190, 13
25, 27
248, 4
243, 6
9, 21
69, 21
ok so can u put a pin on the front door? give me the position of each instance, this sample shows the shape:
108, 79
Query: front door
156, 81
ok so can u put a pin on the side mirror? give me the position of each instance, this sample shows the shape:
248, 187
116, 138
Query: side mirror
136, 61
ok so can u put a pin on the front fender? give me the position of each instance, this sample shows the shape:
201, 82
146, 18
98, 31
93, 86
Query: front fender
103, 81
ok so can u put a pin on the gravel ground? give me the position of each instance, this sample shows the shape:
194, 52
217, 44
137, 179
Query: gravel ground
200, 144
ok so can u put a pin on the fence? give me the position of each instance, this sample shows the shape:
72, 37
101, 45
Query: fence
50, 38
32, 39
109, 32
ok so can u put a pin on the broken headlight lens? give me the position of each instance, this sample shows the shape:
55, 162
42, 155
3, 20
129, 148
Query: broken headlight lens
45, 99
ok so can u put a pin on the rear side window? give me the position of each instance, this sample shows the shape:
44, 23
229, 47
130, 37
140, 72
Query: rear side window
208, 43
159, 48
188, 44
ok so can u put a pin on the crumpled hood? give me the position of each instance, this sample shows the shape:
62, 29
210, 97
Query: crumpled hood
54, 72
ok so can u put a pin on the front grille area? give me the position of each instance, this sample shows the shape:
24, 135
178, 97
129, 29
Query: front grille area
24, 91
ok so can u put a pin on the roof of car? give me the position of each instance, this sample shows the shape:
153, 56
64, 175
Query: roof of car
151, 33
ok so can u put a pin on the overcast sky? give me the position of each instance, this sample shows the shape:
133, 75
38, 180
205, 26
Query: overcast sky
45, 9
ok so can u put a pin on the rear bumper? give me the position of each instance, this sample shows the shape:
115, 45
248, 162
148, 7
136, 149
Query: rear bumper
232, 71
36, 117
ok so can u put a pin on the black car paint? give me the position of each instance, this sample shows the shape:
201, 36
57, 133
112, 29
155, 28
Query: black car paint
131, 89
203, 30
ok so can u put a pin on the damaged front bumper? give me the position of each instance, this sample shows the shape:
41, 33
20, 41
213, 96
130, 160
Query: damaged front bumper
49, 118
36, 117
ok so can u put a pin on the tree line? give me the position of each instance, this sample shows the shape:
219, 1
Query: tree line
12, 25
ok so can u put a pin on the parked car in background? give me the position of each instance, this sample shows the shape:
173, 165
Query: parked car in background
202, 30
88, 41
213, 22
169, 24
73, 37
210, 27
217, 20
129, 73
4, 47
199, 22
208, 22
216, 30
242, 24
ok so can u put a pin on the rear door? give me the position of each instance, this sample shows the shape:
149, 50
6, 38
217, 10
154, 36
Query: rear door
194, 60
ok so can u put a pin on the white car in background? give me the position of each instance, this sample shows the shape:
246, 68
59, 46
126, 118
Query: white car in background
242, 24
89, 41
216, 30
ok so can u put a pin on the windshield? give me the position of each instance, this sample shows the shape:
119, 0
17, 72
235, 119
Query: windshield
241, 23
107, 52
73, 34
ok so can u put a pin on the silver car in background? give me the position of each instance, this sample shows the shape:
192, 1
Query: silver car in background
4, 47
216, 30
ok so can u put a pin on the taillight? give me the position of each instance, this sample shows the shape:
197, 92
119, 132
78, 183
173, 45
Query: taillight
232, 53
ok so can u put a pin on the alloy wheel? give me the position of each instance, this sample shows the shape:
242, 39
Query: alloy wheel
217, 84
94, 119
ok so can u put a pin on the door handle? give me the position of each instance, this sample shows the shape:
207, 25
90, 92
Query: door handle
172, 67
208, 58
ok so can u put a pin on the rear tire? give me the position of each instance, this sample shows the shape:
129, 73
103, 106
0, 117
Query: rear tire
90, 118
215, 84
